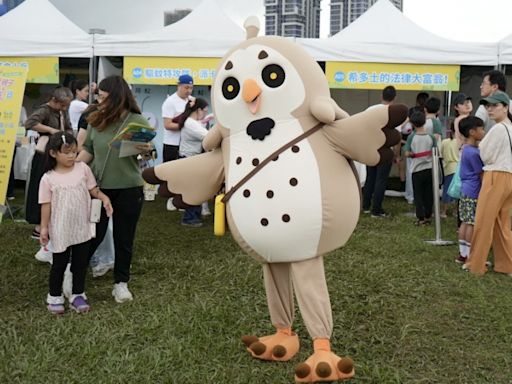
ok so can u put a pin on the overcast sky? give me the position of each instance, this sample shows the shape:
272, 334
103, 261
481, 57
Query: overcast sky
467, 20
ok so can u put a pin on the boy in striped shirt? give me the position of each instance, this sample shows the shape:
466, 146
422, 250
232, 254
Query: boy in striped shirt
419, 147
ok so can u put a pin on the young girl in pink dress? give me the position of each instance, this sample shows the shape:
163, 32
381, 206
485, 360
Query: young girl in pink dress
65, 196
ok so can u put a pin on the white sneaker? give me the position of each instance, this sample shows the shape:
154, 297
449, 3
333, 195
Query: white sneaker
44, 255
67, 284
170, 206
101, 269
121, 293
205, 209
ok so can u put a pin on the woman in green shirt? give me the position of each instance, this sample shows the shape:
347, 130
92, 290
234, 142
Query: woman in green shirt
118, 177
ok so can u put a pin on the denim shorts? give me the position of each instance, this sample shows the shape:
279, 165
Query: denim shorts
446, 198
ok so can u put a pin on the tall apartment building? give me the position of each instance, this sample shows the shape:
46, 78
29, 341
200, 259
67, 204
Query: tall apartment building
176, 15
292, 18
343, 12
10, 4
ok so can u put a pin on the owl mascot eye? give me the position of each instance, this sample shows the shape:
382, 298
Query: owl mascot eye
283, 150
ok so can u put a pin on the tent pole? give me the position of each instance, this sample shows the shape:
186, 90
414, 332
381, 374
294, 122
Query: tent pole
91, 77
93, 63
448, 103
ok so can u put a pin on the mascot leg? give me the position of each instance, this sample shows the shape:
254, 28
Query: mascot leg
313, 299
284, 344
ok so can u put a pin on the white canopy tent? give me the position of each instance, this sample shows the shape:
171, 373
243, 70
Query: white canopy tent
136, 16
205, 32
37, 28
505, 50
384, 35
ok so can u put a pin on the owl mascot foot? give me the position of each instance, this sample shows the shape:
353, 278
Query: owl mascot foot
324, 366
281, 346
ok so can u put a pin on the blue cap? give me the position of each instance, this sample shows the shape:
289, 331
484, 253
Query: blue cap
185, 79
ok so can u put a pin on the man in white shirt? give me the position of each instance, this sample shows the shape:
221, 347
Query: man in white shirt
493, 81
174, 106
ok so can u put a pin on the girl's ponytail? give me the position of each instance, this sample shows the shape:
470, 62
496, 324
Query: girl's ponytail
192, 106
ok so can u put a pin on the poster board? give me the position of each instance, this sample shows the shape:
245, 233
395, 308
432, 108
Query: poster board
12, 87
167, 70
410, 77
41, 70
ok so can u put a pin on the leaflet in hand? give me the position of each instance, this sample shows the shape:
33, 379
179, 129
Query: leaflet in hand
129, 137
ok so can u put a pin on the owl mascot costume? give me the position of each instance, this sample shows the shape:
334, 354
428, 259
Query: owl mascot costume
282, 148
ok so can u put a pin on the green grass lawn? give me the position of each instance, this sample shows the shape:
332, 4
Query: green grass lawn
402, 309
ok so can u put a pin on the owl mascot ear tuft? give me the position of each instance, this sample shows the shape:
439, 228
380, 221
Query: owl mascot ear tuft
252, 27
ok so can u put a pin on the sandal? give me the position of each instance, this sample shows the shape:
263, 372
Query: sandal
80, 304
56, 309
35, 235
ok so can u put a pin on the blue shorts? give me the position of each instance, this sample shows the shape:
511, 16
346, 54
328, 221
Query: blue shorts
446, 184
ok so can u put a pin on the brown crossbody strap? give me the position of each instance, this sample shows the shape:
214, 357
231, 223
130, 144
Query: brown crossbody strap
508, 134
271, 157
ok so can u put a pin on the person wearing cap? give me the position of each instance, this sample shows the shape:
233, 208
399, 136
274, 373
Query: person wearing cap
463, 107
172, 107
492, 220
493, 81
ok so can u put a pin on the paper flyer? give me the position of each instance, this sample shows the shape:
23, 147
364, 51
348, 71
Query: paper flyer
131, 136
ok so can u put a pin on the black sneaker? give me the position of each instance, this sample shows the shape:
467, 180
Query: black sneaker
380, 214
192, 224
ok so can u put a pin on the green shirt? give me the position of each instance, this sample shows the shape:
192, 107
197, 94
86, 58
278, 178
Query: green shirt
120, 172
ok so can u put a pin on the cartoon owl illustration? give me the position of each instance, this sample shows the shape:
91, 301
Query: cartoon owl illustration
282, 146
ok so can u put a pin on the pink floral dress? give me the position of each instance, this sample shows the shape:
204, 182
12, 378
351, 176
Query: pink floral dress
68, 194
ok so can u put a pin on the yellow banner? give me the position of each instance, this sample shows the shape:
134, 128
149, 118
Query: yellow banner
413, 77
41, 70
12, 87
166, 70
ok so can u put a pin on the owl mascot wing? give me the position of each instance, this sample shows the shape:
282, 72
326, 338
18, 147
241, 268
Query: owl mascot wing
281, 146
191, 180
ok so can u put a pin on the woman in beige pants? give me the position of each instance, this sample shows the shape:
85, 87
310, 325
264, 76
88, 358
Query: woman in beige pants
492, 221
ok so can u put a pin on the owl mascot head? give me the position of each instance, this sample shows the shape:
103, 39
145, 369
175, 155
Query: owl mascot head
282, 150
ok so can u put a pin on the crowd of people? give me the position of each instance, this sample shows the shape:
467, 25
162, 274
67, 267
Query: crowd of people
67, 172
476, 159
74, 163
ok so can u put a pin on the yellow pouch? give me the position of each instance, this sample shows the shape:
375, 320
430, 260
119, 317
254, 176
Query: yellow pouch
219, 218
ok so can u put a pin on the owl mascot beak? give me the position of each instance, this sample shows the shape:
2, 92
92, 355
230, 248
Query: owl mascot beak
252, 95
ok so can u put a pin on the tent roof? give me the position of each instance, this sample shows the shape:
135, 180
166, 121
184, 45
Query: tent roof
384, 34
505, 50
206, 32
136, 16
37, 28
